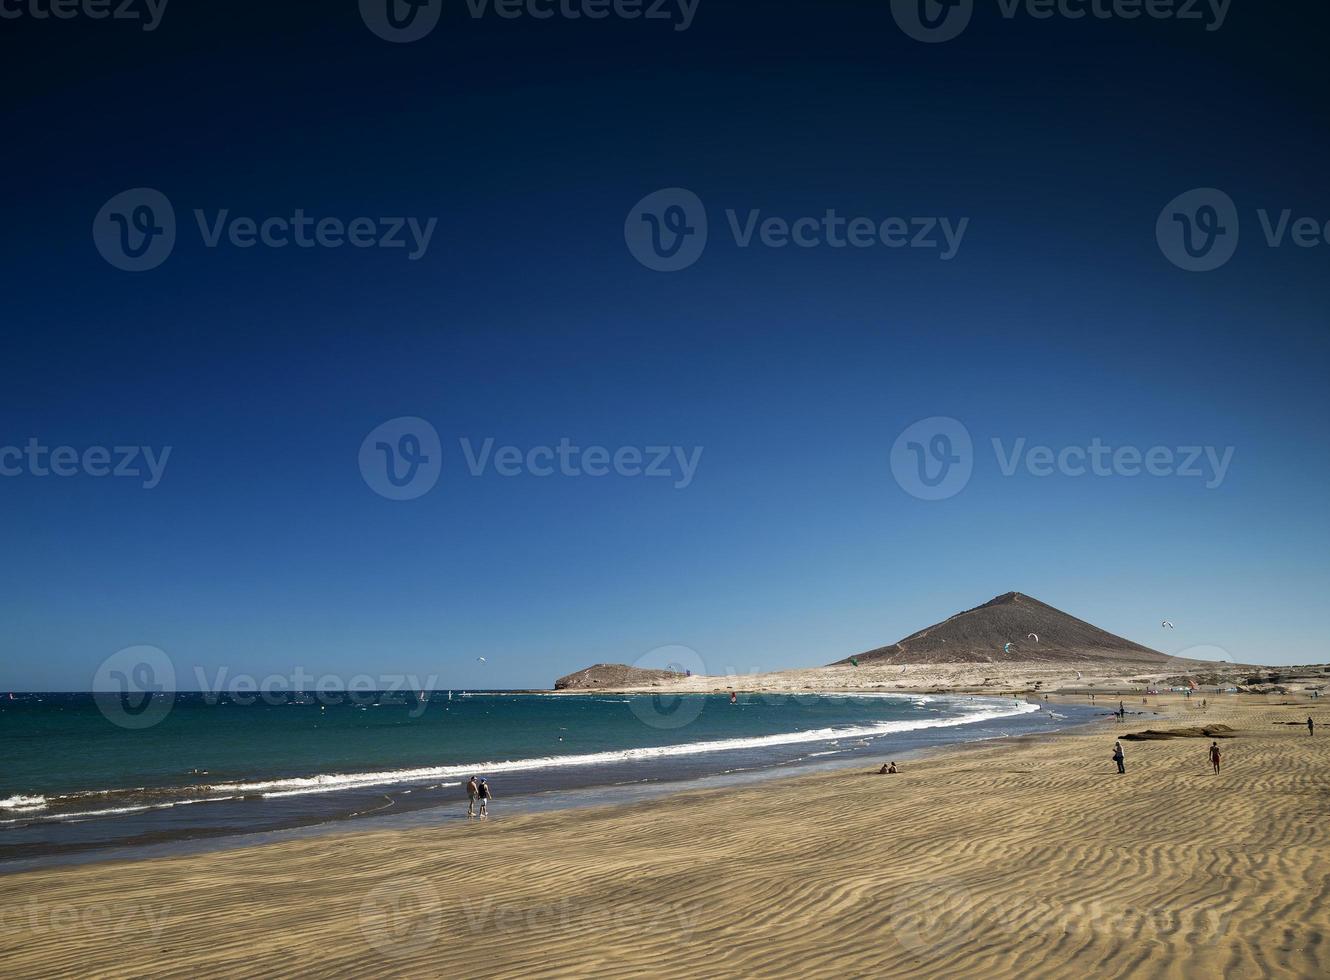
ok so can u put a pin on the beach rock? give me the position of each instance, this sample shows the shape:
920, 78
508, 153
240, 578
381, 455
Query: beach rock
1207, 731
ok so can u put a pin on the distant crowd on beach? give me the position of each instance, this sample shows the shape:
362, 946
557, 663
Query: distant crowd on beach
1119, 756
1215, 754
479, 794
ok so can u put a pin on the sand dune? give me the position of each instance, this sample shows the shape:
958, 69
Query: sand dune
998, 678
1029, 857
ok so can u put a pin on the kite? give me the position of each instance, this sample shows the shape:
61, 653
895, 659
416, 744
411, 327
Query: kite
1035, 637
1166, 625
1006, 648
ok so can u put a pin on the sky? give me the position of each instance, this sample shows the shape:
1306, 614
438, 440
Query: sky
787, 522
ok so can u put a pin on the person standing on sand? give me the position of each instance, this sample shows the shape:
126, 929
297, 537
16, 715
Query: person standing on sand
472, 791
1214, 756
1311, 726
1119, 758
485, 797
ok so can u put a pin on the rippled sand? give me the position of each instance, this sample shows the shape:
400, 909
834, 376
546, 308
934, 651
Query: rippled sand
1030, 858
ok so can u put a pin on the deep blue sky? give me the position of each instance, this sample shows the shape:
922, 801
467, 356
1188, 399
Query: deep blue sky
529, 321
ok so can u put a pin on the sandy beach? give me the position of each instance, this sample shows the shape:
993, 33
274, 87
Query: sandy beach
1030, 857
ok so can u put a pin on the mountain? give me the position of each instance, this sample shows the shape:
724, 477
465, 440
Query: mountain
612, 676
979, 635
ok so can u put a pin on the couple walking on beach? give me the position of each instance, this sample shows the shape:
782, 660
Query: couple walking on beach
1121, 759
477, 791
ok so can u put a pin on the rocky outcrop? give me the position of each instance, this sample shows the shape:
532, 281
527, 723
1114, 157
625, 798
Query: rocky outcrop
613, 676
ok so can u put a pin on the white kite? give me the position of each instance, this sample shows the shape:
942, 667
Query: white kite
1035, 637
1166, 625
480, 660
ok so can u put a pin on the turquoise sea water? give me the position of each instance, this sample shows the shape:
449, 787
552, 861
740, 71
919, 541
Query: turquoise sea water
79, 777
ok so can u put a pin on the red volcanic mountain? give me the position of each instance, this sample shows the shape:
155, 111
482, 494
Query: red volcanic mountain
980, 635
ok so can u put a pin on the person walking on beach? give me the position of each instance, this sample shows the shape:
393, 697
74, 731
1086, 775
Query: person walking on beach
1118, 757
485, 797
472, 791
1311, 726
1214, 756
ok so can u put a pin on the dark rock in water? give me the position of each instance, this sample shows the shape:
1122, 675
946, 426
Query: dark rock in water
1208, 731
980, 635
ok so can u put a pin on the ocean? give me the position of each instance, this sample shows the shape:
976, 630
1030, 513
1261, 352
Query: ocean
77, 780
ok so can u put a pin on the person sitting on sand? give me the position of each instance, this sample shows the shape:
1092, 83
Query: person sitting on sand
472, 791
483, 791
887, 768
1214, 756
1119, 757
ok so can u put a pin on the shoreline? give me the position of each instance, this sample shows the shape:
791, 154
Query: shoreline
652, 772
444, 818
1025, 855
